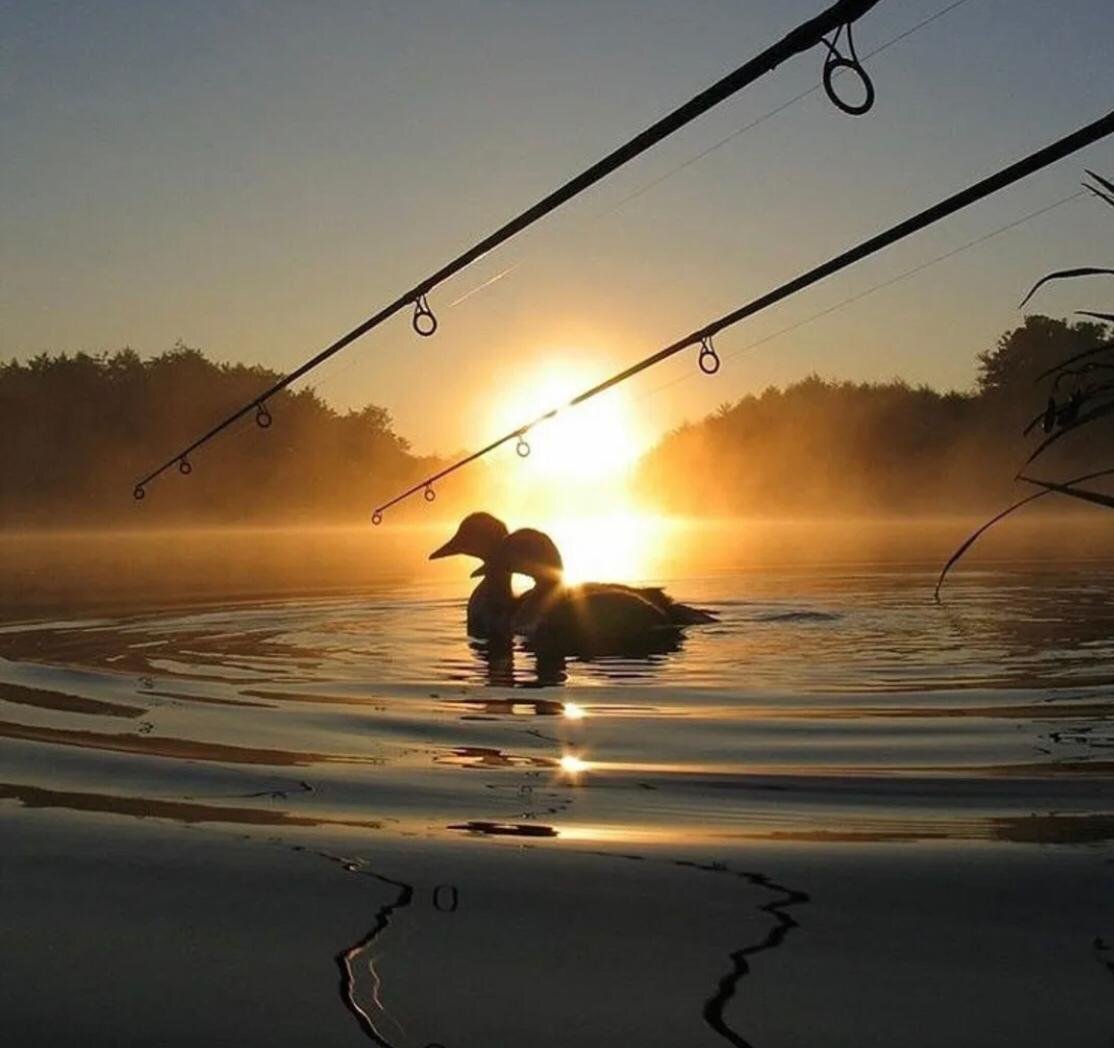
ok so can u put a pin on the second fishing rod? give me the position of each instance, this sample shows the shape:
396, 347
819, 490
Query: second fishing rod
708, 359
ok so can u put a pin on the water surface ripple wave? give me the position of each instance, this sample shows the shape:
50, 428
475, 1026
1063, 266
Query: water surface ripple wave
839, 705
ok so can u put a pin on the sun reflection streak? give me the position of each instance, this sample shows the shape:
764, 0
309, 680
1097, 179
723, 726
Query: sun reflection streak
573, 765
574, 712
376, 985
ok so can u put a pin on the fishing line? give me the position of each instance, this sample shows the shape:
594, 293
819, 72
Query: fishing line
850, 300
487, 283
833, 22
185, 466
654, 183
704, 337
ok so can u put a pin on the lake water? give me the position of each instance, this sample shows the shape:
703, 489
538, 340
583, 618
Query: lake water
842, 814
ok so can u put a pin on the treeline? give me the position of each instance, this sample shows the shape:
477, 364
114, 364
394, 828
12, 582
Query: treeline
79, 429
819, 446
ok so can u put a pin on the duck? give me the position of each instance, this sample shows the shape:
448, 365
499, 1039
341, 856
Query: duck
491, 605
593, 616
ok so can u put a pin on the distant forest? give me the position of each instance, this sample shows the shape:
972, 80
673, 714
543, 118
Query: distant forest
79, 429
820, 446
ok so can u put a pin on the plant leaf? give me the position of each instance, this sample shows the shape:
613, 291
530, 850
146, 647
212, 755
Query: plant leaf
1109, 186
1089, 416
1032, 422
981, 530
1078, 356
1097, 497
1100, 194
1066, 274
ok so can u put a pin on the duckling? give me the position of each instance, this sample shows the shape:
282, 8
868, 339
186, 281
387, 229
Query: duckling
594, 616
491, 605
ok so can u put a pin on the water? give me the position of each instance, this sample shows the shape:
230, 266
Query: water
833, 719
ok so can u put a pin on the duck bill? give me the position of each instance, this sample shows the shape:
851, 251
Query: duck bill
450, 549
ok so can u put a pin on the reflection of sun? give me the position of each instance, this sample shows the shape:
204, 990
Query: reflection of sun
572, 765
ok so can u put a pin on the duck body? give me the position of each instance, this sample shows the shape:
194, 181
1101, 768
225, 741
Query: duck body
491, 608
677, 613
591, 619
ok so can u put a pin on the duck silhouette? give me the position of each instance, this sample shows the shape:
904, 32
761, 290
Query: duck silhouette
593, 617
491, 605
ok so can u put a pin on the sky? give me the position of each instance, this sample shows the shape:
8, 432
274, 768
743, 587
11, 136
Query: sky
255, 178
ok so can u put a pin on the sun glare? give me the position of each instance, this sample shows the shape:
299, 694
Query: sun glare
576, 483
611, 547
592, 441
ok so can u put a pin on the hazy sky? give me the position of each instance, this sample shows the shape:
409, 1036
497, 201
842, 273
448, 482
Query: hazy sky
257, 177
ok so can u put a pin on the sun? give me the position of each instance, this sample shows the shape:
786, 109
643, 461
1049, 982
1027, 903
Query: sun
597, 440
579, 481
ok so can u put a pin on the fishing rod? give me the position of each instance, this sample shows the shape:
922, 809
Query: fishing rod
757, 121
658, 180
708, 359
827, 28
858, 296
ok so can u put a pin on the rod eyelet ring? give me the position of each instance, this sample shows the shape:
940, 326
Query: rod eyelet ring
709, 359
429, 494
522, 448
262, 416
377, 518
423, 322
184, 466
443, 904
139, 493
836, 61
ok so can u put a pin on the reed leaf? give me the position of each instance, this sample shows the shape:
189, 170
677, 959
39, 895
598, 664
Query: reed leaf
1097, 497
1109, 186
1100, 194
1080, 372
1040, 416
1066, 274
1104, 190
1090, 416
982, 529
1078, 356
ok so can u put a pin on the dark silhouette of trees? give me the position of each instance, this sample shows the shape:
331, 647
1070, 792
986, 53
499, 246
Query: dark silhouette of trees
78, 430
1012, 367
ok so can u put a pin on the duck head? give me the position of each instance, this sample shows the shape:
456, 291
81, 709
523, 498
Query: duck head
479, 535
527, 552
